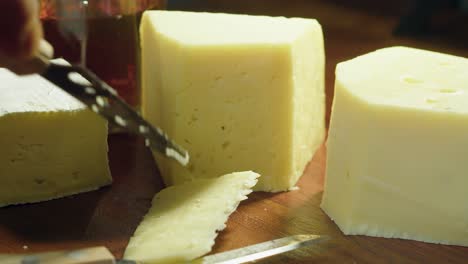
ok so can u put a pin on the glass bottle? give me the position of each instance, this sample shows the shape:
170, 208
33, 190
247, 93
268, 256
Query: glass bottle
101, 35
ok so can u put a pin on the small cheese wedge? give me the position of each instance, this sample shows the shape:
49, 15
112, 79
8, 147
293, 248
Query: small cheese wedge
398, 146
51, 145
238, 92
183, 221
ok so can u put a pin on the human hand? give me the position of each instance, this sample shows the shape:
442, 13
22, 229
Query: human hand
20, 31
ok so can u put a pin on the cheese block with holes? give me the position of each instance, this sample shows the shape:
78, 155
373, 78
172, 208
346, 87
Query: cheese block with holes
238, 92
51, 144
183, 221
397, 162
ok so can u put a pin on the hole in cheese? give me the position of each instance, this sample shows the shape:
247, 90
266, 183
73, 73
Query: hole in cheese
225, 144
444, 63
448, 90
410, 80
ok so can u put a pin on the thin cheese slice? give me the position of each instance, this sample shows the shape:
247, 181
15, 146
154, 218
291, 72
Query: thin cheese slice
183, 221
398, 146
238, 92
51, 145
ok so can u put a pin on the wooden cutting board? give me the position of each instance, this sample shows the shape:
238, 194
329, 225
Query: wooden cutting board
109, 217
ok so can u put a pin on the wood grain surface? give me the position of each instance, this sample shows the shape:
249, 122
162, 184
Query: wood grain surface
109, 216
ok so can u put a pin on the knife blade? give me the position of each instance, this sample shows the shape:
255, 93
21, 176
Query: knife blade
97, 95
262, 250
104, 100
101, 255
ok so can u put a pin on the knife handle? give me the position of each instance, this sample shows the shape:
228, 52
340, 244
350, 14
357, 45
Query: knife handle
37, 64
94, 255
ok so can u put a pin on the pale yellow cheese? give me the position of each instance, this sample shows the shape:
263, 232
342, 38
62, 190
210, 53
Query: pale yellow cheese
183, 221
398, 147
238, 92
51, 145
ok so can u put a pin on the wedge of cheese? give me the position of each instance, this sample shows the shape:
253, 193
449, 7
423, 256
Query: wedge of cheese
183, 221
238, 92
398, 146
51, 145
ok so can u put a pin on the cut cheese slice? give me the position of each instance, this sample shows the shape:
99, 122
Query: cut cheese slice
182, 222
238, 92
51, 145
398, 146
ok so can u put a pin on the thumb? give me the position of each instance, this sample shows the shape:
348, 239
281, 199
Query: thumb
21, 28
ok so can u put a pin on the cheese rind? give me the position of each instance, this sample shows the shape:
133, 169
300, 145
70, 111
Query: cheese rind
183, 221
251, 98
52, 146
396, 162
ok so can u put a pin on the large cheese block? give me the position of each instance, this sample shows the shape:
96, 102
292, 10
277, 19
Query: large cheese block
183, 221
51, 145
398, 146
238, 92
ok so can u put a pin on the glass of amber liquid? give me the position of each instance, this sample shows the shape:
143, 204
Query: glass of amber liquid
101, 35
